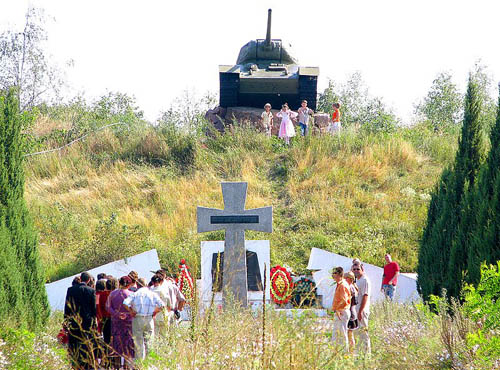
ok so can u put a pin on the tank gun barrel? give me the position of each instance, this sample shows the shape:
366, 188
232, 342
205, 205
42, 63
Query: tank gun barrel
268, 34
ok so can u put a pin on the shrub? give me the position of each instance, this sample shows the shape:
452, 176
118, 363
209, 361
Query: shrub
182, 147
149, 148
112, 241
482, 304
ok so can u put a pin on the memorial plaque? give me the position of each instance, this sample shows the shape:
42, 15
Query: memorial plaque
237, 219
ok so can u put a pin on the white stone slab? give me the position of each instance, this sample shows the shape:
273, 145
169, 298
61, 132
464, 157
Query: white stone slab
208, 248
143, 263
324, 261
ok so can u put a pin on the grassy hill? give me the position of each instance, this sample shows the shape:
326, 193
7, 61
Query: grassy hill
130, 188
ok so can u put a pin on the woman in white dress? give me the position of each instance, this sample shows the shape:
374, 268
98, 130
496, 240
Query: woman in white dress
286, 128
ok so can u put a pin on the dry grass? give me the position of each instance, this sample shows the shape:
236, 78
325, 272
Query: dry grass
357, 194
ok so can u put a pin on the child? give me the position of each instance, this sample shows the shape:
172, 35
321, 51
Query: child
335, 126
286, 128
304, 113
267, 119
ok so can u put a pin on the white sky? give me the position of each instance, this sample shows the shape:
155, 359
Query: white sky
156, 49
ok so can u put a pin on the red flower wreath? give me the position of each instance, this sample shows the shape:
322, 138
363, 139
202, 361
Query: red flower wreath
281, 285
184, 280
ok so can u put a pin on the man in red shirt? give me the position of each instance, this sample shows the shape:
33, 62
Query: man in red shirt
390, 277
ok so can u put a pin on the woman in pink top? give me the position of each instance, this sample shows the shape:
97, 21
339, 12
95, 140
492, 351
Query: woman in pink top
121, 320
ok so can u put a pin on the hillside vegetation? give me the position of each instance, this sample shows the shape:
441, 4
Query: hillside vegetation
134, 186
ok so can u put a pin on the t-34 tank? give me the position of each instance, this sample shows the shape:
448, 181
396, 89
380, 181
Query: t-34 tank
266, 72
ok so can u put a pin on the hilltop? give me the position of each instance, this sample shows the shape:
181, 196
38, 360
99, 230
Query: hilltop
133, 187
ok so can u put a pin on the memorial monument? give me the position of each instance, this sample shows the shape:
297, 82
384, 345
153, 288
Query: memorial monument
234, 219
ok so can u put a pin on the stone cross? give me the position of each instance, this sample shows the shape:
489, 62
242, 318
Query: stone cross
235, 219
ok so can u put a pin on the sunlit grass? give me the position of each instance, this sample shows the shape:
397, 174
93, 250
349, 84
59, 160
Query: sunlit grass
358, 194
402, 336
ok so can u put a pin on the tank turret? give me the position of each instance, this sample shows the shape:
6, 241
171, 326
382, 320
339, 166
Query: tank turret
267, 72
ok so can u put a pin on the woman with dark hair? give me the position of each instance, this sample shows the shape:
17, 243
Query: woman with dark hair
103, 316
101, 297
111, 283
121, 321
76, 281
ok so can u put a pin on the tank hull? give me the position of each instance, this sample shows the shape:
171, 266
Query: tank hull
267, 72
240, 89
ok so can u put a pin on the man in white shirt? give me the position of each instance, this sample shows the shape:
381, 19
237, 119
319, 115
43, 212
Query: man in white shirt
363, 306
162, 318
177, 299
143, 305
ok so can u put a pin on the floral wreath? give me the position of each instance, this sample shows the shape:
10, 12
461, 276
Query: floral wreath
305, 289
184, 280
281, 285
305, 286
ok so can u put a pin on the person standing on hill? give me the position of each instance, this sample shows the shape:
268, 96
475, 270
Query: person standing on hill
335, 126
341, 308
81, 321
286, 127
267, 119
304, 115
390, 277
363, 306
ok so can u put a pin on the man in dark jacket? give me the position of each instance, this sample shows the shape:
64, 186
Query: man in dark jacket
80, 317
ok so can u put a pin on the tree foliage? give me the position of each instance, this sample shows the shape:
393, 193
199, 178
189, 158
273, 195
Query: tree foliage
25, 64
482, 304
483, 238
357, 105
23, 277
443, 104
448, 200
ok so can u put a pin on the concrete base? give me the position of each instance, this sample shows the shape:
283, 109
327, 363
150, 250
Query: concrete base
223, 117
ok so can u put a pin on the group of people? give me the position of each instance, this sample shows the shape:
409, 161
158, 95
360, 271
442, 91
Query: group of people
351, 302
303, 116
111, 322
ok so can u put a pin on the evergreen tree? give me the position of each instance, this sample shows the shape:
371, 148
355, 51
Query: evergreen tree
11, 281
441, 229
484, 245
426, 268
22, 237
469, 163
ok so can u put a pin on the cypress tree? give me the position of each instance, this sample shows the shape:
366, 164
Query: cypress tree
11, 284
484, 245
22, 237
426, 268
469, 164
441, 228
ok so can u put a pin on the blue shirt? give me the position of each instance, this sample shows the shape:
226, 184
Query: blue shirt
143, 302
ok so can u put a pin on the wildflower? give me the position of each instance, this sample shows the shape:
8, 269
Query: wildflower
425, 196
409, 192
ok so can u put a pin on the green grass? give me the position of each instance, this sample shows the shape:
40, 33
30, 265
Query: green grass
402, 336
358, 194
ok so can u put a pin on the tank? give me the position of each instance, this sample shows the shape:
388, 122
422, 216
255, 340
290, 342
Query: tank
267, 72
